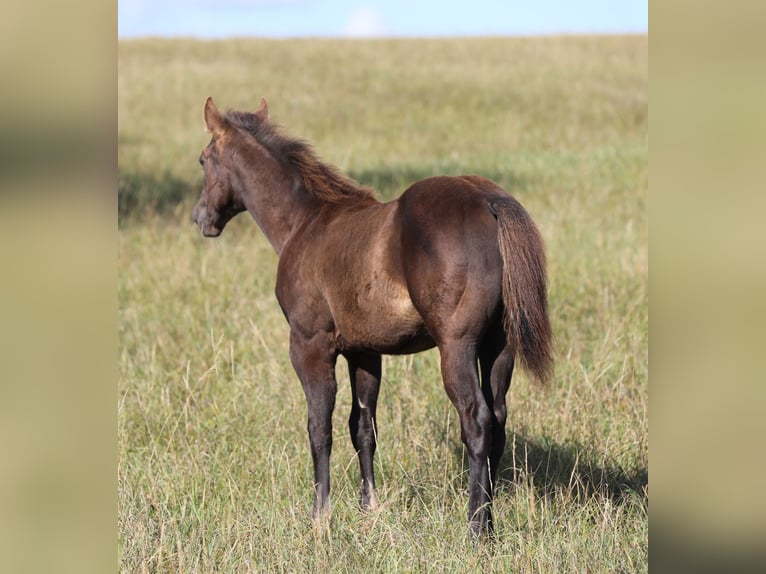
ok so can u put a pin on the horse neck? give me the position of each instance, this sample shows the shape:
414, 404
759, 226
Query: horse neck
271, 194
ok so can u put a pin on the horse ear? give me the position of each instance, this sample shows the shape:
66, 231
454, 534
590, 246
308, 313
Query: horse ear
262, 113
213, 118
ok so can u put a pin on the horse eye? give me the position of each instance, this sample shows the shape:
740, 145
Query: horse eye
202, 161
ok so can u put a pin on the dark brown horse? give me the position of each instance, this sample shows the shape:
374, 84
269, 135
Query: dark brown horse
455, 263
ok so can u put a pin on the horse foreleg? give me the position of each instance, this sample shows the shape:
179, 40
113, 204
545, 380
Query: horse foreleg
314, 361
364, 373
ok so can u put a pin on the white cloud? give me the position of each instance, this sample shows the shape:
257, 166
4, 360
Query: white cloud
365, 22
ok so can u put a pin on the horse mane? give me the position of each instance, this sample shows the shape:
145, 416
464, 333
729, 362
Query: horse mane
323, 181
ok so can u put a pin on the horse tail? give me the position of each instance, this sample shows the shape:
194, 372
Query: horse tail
527, 327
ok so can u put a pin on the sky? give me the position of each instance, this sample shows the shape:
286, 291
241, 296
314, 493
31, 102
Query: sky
378, 18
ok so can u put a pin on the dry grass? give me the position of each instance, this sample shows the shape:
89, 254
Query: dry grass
214, 466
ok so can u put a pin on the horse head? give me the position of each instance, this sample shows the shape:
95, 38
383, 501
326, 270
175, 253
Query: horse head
220, 200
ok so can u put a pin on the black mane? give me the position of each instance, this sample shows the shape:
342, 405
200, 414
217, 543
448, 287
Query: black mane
322, 180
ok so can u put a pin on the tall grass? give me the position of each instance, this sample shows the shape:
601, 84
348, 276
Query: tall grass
214, 467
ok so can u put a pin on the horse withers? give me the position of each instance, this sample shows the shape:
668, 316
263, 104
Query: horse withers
454, 262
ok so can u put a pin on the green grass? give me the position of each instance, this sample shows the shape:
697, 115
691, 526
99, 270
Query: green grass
214, 466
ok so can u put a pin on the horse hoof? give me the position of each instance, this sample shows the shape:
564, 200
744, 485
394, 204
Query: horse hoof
370, 502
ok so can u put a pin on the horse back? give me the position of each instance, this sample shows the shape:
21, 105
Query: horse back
389, 277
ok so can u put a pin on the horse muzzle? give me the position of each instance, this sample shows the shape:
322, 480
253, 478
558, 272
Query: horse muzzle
201, 218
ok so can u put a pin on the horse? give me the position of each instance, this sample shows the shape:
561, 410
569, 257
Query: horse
454, 263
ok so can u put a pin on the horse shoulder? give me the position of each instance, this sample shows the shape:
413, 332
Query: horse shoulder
298, 289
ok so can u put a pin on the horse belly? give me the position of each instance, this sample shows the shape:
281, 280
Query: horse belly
387, 324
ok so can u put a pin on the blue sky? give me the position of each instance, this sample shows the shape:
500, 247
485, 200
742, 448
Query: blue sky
373, 18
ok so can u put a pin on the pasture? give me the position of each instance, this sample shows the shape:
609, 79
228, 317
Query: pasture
214, 465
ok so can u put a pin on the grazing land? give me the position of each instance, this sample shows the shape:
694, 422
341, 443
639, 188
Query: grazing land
214, 465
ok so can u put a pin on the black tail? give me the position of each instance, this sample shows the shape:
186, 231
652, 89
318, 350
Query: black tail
525, 296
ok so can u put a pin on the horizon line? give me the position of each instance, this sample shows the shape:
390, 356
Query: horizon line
214, 37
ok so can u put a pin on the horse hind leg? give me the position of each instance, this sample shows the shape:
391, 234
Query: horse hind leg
461, 381
496, 361
364, 373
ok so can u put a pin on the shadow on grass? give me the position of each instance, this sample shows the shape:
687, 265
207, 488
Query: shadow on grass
140, 195
551, 468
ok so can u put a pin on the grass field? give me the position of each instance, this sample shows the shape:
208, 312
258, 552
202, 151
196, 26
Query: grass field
214, 466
